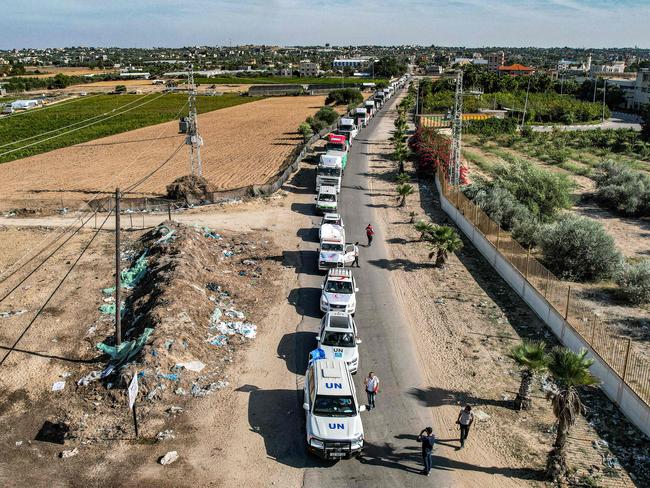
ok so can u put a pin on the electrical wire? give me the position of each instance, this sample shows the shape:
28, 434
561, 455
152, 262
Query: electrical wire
40, 310
145, 178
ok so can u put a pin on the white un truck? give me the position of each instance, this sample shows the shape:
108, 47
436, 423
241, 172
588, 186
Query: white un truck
330, 169
333, 420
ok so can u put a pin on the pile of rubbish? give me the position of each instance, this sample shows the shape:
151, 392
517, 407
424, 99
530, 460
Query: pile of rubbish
191, 300
191, 189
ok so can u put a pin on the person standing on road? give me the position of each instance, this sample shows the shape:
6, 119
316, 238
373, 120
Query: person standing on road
464, 421
372, 387
356, 255
370, 232
427, 439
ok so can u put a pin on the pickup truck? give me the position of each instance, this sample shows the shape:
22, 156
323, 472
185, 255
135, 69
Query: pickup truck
329, 171
326, 201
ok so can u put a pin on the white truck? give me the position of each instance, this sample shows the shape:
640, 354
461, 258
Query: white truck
370, 107
329, 171
326, 201
360, 117
333, 252
339, 339
347, 128
332, 412
339, 292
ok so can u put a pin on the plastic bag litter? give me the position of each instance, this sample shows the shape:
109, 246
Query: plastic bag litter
108, 291
130, 277
169, 376
207, 232
125, 351
193, 365
168, 458
234, 314
89, 378
245, 329
11, 313
58, 386
215, 317
227, 253
218, 340
167, 234
213, 287
109, 308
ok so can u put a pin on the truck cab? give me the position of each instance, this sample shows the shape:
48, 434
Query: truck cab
347, 128
332, 218
326, 201
339, 292
339, 339
360, 117
329, 171
370, 107
332, 412
338, 145
380, 98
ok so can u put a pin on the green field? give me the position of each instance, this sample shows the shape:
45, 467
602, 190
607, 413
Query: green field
17, 131
266, 80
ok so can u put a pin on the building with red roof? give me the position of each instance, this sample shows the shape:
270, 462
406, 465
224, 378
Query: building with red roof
516, 70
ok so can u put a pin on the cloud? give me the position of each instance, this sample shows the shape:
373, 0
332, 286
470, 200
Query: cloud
143, 23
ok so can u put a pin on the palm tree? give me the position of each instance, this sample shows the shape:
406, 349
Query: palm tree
400, 154
443, 240
402, 178
424, 228
532, 357
404, 190
570, 370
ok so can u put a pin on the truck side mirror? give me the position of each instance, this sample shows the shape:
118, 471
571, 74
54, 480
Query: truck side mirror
358, 341
322, 286
318, 338
362, 408
305, 406
356, 289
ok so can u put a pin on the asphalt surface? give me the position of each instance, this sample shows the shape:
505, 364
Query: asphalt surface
619, 120
392, 455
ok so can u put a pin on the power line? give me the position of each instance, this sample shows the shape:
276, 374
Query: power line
145, 178
40, 310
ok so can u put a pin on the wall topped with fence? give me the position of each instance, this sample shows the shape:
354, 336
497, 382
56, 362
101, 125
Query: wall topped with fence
627, 362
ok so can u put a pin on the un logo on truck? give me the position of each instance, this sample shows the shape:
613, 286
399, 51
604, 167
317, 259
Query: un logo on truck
334, 386
335, 426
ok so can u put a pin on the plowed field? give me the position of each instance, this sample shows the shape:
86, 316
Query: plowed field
244, 145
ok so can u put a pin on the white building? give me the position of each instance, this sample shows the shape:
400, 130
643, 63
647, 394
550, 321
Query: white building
615, 67
308, 69
349, 63
642, 89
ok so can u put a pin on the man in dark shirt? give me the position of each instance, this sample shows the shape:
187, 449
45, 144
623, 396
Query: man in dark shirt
427, 439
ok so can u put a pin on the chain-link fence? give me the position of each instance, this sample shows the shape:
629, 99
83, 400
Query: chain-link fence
620, 353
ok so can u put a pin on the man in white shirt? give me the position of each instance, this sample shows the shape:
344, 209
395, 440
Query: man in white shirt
465, 420
372, 387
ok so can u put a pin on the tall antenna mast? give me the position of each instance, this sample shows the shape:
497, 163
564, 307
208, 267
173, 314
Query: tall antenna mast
193, 138
456, 132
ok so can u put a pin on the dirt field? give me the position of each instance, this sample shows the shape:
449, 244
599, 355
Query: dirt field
146, 86
49, 71
244, 145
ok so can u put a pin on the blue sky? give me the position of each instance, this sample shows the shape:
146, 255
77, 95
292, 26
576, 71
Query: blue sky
146, 23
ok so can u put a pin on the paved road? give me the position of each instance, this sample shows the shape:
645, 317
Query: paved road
392, 456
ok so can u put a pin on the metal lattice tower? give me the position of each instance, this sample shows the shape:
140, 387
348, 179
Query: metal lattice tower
456, 132
193, 138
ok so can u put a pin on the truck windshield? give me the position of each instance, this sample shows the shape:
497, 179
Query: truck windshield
339, 339
331, 146
326, 197
344, 287
328, 246
346, 128
325, 171
333, 406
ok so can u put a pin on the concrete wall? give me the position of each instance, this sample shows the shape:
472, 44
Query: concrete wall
630, 404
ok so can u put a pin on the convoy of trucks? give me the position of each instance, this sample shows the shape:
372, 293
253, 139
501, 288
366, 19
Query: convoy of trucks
332, 410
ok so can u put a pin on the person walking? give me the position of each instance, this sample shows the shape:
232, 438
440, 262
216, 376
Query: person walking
356, 255
372, 387
370, 232
464, 421
427, 439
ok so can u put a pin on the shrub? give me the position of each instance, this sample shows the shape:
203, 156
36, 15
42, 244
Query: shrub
543, 192
432, 150
578, 248
491, 127
497, 202
327, 115
305, 131
526, 232
316, 125
622, 189
634, 280
345, 96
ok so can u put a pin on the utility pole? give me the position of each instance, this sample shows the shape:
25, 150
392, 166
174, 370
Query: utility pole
604, 91
193, 138
456, 132
523, 118
595, 87
118, 278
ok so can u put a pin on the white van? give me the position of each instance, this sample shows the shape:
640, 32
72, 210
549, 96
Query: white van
332, 412
339, 339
